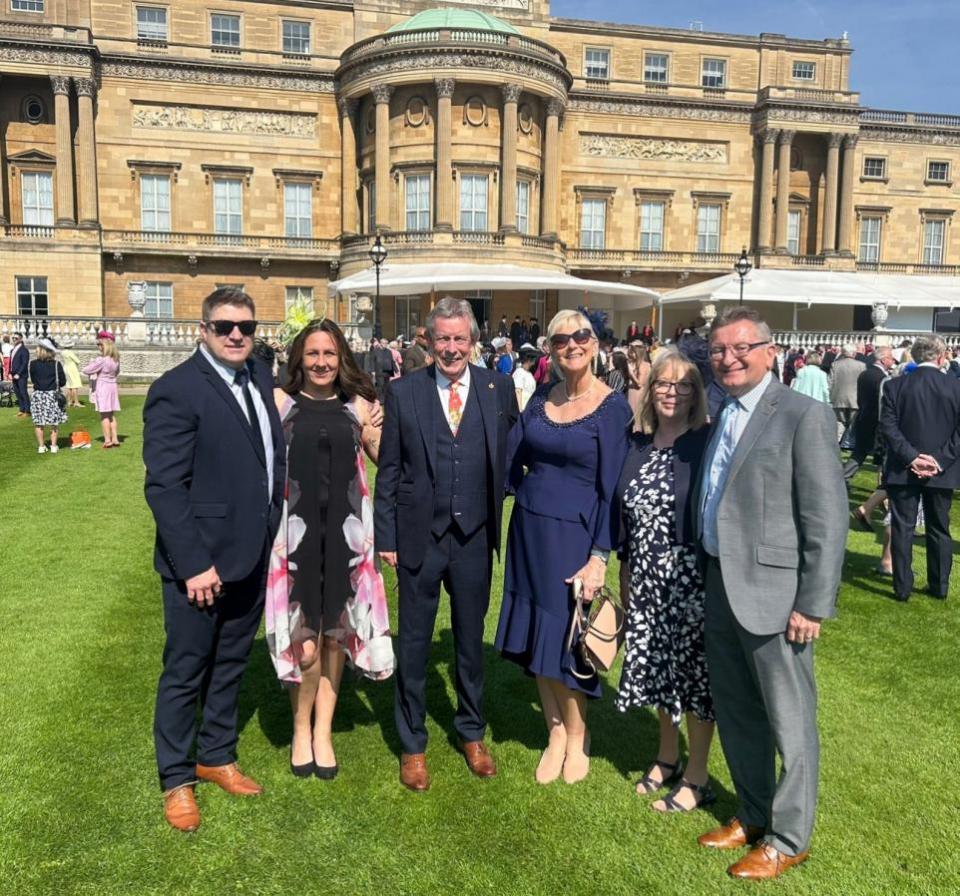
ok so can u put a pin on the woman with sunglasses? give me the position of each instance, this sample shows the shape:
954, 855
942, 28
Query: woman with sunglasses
563, 463
665, 664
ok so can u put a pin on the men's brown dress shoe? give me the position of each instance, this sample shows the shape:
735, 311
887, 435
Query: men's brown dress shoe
180, 808
413, 771
765, 862
230, 778
732, 835
478, 758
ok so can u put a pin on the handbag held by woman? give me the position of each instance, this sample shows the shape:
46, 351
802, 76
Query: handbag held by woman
596, 635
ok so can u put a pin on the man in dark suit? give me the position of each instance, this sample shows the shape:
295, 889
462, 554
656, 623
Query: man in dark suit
868, 401
418, 354
19, 367
215, 467
920, 423
439, 500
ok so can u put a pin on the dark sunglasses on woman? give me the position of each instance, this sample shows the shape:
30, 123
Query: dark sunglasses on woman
580, 337
225, 327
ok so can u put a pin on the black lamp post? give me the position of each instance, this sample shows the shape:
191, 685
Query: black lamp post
742, 267
378, 255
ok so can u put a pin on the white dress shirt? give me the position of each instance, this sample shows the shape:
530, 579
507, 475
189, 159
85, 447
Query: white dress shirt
443, 390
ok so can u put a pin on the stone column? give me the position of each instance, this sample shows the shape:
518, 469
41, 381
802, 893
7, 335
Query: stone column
831, 186
551, 170
769, 142
3, 168
443, 217
783, 191
61, 91
381, 95
87, 152
508, 170
845, 237
348, 167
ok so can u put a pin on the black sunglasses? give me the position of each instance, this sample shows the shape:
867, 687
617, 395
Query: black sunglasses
581, 337
225, 327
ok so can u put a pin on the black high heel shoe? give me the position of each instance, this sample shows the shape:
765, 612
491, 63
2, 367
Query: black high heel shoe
326, 772
302, 771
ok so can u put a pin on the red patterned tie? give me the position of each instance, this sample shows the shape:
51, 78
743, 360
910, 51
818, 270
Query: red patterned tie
454, 407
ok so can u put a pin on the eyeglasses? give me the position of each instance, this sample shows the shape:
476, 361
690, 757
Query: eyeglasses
740, 350
580, 337
225, 327
682, 388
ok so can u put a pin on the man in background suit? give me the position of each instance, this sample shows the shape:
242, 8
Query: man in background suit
772, 527
417, 355
215, 460
19, 367
868, 415
920, 422
438, 506
844, 373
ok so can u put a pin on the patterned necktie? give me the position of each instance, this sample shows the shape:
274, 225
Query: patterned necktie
454, 407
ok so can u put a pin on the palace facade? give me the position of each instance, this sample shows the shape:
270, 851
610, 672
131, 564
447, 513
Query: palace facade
188, 145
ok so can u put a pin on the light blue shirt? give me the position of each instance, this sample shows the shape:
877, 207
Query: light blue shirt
734, 418
228, 374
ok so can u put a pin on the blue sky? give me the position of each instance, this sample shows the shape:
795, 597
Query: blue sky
902, 48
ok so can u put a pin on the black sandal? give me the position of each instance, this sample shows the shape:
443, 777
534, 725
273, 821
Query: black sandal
703, 792
652, 785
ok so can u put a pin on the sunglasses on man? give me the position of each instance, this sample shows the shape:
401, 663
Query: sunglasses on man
580, 337
225, 327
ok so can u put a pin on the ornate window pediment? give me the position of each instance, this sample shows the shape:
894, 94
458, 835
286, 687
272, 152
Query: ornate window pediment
32, 158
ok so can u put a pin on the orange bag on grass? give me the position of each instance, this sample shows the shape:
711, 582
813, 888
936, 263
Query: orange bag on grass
79, 438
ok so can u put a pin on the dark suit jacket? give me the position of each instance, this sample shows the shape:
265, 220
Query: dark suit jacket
868, 415
206, 473
405, 478
920, 414
20, 361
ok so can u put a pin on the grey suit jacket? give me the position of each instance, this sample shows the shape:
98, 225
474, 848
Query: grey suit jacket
782, 517
844, 373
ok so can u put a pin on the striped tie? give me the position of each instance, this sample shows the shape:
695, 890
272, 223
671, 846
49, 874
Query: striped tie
454, 407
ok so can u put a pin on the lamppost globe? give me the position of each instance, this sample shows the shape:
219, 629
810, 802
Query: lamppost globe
743, 267
378, 255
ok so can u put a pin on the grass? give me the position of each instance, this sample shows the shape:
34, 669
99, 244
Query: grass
80, 643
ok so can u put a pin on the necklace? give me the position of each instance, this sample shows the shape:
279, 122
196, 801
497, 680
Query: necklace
583, 394
316, 397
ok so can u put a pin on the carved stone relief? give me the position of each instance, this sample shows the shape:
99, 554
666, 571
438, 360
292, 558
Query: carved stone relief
525, 118
475, 112
644, 109
226, 121
58, 58
613, 146
198, 74
889, 135
417, 113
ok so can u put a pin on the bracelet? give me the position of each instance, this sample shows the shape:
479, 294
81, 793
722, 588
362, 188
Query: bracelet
600, 554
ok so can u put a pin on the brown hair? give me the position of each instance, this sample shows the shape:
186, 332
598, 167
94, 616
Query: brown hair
670, 357
351, 380
226, 295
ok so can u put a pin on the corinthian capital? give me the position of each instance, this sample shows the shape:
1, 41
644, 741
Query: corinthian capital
444, 87
770, 135
382, 93
834, 140
61, 85
850, 141
511, 92
555, 107
85, 86
786, 137
347, 107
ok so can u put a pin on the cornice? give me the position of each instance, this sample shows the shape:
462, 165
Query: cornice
49, 53
895, 134
665, 107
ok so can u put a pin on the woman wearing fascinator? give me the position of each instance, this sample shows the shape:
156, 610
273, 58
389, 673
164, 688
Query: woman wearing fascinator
325, 604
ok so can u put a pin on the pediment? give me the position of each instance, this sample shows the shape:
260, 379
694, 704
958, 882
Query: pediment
32, 156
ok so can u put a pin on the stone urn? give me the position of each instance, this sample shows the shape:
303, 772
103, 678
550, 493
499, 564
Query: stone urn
879, 315
708, 312
137, 297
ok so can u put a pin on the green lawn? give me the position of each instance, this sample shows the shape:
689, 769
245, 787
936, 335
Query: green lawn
80, 812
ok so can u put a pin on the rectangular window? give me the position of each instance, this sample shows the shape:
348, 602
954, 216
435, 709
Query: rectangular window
793, 232
804, 71
874, 167
296, 38
297, 294
869, 240
473, 202
159, 300
651, 226
26, 5
708, 228
933, 233
417, 188
655, 68
228, 206
597, 64
298, 210
151, 23
938, 172
155, 202
32, 299
714, 73
37, 195
480, 301
538, 307
593, 223
224, 30
523, 206
407, 315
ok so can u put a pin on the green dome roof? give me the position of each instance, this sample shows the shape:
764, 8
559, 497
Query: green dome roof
453, 18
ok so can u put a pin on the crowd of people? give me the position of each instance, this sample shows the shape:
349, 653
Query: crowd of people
680, 457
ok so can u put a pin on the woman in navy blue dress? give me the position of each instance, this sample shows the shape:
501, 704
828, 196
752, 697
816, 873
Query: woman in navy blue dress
564, 461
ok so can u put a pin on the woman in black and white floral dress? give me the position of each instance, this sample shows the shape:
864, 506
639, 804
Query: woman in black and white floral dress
665, 663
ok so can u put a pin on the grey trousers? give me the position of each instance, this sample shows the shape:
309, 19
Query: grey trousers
765, 700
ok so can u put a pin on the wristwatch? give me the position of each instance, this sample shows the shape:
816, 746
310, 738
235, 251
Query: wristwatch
600, 554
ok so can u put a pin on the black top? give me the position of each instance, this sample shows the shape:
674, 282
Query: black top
47, 375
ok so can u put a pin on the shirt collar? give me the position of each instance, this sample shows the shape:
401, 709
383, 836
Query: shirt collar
444, 383
227, 372
929, 364
750, 401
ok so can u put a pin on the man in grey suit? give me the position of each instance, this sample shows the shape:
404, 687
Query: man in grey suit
772, 526
844, 373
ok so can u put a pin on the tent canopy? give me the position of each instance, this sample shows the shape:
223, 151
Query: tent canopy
824, 288
410, 279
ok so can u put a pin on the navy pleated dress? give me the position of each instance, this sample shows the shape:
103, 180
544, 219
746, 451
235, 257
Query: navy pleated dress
564, 506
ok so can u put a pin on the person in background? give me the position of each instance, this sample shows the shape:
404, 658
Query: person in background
5, 349
534, 330
647, 335
639, 368
71, 367
811, 380
502, 328
523, 379
844, 375
633, 332
418, 354
829, 356
542, 372
394, 346
19, 367
619, 378
516, 332
503, 360
46, 376
869, 385
106, 399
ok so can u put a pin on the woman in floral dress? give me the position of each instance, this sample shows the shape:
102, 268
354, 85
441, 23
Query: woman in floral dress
325, 597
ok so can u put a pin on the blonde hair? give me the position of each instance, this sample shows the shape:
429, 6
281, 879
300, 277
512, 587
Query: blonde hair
668, 356
109, 348
44, 354
568, 315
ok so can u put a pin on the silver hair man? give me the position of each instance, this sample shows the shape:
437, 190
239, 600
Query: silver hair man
735, 313
928, 349
449, 307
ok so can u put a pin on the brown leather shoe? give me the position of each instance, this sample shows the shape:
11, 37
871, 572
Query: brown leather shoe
230, 778
413, 771
732, 835
180, 808
478, 758
765, 862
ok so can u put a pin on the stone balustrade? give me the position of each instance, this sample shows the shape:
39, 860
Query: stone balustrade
807, 339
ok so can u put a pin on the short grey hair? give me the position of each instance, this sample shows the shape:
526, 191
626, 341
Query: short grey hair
734, 314
849, 350
883, 351
449, 307
927, 348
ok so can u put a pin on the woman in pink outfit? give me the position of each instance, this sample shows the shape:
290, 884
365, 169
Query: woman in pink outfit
106, 397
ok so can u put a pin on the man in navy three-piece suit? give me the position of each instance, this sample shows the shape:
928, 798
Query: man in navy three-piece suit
438, 509
215, 470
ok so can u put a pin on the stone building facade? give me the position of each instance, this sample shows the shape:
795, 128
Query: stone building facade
188, 145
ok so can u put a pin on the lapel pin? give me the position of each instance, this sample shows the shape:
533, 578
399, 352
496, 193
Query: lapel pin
489, 385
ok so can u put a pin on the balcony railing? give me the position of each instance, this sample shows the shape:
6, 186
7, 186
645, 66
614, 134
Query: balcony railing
642, 258
478, 237
810, 95
899, 267
151, 241
40, 31
807, 339
921, 119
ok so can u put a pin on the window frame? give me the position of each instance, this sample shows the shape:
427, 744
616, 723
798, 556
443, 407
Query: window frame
926, 246
155, 178
608, 65
724, 77
803, 62
703, 247
33, 292
155, 286
39, 209
475, 177
33, 6
862, 244
650, 203
523, 208
152, 7
423, 217
866, 175
216, 181
666, 68
590, 242
409, 309
795, 215
304, 23
305, 188
226, 15
944, 181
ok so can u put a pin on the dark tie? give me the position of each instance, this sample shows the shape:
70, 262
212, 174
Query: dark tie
241, 379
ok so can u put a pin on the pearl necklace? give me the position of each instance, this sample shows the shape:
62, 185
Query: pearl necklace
317, 398
583, 394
